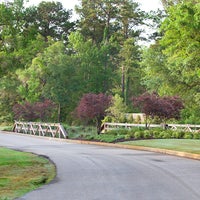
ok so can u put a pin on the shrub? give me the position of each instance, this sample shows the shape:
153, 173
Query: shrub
167, 135
118, 131
27, 111
188, 136
196, 136
156, 134
147, 134
138, 135
127, 137
162, 134
178, 134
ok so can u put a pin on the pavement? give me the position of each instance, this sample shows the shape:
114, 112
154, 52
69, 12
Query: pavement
100, 172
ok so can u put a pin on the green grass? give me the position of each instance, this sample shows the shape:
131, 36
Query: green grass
184, 145
6, 127
22, 172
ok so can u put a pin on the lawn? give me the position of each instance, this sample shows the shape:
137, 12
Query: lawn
22, 172
184, 145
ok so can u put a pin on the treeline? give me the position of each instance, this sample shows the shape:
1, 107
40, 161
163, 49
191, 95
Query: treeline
45, 56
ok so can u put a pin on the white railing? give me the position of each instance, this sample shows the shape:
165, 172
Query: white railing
185, 127
40, 129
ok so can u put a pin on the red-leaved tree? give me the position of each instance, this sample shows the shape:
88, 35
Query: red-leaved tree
93, 107
34, 111
163, 107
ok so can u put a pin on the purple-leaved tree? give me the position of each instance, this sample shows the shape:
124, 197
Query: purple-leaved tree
152, 105
93, 107
34, 111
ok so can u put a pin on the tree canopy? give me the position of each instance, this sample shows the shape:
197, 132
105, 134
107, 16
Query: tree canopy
45, 55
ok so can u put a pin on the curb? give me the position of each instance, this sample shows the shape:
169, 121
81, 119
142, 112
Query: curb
140, 148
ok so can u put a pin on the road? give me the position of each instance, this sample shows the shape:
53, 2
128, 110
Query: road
89, 172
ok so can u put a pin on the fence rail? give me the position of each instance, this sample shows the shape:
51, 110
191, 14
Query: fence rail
41, 129
184, 127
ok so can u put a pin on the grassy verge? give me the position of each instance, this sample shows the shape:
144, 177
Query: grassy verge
184, 145
6, 127
22, 172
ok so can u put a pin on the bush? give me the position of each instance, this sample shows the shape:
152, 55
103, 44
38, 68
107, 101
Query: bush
147, 134
196, 136
118, 131
188, 136
156, 134
167, 135
138, 135
178, 134
127, 137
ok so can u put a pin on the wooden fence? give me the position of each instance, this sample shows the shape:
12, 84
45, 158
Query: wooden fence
41, 129
184, 127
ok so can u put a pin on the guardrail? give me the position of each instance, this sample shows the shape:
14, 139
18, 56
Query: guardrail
41, 129
185, 127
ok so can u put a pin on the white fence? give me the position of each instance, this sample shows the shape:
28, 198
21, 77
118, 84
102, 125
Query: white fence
41, 129
184, 127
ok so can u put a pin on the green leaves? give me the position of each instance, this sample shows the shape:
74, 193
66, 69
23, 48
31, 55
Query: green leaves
181, 44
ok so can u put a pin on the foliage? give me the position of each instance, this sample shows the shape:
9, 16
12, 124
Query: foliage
42, 56
34, 111
117, 135
93, 107
181, 46
154, 70
129, 56
117, 110
163, 107
56, 25
120, 19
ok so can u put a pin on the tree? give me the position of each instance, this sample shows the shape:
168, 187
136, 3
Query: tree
94, 66
163, 107
27, 111
154, 71
51, 20
93, 107
181, 46
130, 71
168, 3
52, 75
117, 109
96, 17
101, 19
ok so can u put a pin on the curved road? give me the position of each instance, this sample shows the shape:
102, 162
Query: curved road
88, 172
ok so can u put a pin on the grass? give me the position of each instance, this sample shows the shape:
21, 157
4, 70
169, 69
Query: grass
184, 145
22, 172
6, 127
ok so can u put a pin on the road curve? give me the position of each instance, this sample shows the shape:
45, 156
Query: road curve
89, 172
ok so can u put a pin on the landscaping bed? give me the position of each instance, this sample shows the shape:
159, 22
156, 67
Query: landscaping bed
120, 135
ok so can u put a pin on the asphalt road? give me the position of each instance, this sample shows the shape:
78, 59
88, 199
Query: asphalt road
88, 172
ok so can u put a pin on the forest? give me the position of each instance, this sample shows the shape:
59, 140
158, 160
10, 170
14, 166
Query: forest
48, 61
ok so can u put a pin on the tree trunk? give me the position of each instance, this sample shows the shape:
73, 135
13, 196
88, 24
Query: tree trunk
58, 112
123, 82
98, 125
